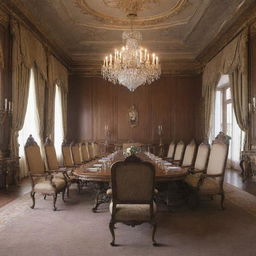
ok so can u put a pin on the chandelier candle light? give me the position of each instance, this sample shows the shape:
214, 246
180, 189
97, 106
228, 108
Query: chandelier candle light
132, 65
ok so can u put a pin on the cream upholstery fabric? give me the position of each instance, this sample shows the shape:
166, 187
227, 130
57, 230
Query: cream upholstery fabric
90, 149
50, 154
45, 185
67, 156
209, 186
171, 150
189, 154
59, 175
76, 154
179, 151
217, 159
129, 212
95, 149
34, 159
202, 157
85, 152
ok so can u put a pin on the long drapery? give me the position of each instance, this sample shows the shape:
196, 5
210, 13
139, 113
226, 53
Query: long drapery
232, 60
58, 74
20, 87
27, 53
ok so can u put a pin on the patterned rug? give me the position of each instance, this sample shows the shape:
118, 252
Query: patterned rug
75, 230
20, 206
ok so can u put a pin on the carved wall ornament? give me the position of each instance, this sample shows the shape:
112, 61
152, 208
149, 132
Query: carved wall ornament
130, 6
157, 20
133, 116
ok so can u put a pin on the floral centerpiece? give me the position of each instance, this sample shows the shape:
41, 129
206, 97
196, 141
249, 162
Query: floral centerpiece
131, 151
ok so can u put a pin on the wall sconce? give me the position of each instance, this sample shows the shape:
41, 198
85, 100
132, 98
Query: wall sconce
8, 108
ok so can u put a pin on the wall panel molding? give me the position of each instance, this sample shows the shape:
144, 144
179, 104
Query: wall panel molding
174, 102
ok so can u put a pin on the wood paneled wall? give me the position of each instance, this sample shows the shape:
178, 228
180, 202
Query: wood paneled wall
174, 102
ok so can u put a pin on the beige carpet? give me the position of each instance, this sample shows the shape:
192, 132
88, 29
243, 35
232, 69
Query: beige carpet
75, 230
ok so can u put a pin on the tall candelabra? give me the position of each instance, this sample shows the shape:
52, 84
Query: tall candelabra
161, 146
106, 131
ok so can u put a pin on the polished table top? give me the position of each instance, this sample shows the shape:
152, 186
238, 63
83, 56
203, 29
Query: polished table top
104, 174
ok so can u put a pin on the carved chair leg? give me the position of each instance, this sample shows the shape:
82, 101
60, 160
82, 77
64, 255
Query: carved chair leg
54, 201
111, 228
68, 190
32, 194
222, 201
154, 226
63, 195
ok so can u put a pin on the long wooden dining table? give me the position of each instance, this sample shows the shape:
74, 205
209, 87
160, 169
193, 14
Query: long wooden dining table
102, 177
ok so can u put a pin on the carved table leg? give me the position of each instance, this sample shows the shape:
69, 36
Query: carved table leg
101, 195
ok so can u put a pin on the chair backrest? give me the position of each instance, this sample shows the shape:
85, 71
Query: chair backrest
90, 149
50, 153
179, 151
75, 149
133, 181
189, 154
95, 149
218, 155
67, 155
171, 150
202, 156
84, 151
33, 156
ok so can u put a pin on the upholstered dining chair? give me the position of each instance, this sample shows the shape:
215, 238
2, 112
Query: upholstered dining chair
42, 182
95, 150
189, 155
85, 152
210, 183
55, 168
67, 154
202, 157
76, 154
90, 149
133, 183
179, 152
171, 150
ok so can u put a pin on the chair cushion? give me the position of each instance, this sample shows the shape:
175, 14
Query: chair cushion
209, 186
45, 185
59, 175
130, 212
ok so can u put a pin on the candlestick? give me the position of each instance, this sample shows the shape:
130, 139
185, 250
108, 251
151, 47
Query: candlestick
5, 104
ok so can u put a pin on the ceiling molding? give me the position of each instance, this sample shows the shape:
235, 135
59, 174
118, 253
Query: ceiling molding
39, 34
226, 35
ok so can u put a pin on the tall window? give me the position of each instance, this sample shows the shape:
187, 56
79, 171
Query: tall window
31, 124
58, 122
225, 120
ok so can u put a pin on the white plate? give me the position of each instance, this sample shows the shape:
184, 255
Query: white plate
167, 164
97, 165
173, 168
92, 169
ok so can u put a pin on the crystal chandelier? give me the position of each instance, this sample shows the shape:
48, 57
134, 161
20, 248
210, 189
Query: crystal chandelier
132, 65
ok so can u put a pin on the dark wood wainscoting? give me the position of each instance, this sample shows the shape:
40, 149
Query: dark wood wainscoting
173, 102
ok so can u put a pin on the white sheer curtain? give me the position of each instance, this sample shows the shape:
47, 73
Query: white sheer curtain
58, 122
31, 125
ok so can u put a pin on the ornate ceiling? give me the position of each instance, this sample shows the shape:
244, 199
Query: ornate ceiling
177, 30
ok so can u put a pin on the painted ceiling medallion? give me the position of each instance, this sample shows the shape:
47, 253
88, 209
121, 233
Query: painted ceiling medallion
152, 12
130, 6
